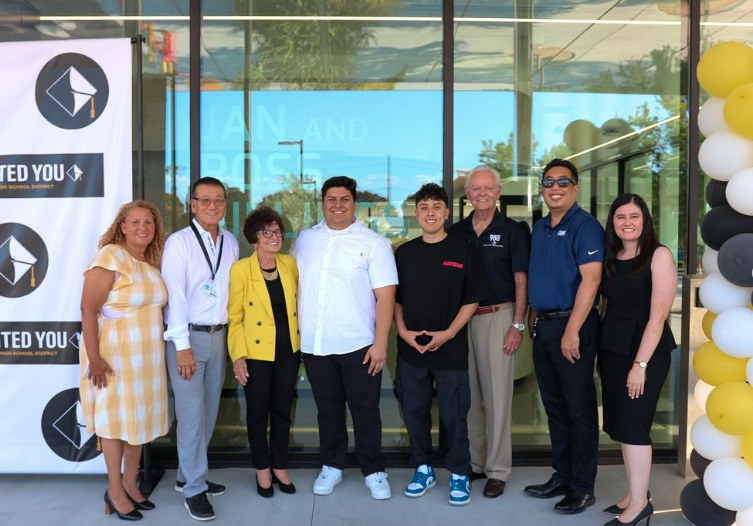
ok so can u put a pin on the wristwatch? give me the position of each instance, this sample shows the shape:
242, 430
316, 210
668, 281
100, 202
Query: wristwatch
520, 326
642, 365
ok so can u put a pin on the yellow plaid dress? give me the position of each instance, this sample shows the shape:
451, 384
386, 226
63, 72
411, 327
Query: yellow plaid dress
133, 406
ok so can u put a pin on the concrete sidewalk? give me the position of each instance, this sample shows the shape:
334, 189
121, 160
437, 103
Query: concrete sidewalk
59, 500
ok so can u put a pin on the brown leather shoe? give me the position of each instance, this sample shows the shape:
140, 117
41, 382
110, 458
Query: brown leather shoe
494, 488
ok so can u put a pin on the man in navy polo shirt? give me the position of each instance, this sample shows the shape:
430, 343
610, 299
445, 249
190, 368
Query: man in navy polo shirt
567, 250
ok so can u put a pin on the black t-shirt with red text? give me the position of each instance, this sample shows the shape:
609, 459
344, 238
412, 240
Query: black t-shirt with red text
435, 281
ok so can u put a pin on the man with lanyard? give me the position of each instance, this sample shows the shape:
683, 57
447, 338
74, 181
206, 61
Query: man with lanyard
346, 298
567, 250
433, 344
496, 329
196, 269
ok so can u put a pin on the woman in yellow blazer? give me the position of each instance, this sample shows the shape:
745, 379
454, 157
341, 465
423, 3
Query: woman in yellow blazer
264, 344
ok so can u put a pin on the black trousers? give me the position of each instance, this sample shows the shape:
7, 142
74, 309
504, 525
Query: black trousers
454, 399
269, 391
568, 392
337, 379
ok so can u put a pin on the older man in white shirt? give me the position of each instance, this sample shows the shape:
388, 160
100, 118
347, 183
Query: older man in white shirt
196, 271
346, 298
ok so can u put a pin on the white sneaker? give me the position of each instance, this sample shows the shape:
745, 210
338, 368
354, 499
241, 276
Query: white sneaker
327, 480
377, 483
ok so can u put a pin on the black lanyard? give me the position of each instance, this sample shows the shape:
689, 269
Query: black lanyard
206, 254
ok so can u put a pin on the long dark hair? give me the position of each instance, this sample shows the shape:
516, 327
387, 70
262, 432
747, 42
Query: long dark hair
647, 242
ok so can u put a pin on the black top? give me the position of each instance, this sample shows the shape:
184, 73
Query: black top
503, 250
435, 281
628, 310
280, 314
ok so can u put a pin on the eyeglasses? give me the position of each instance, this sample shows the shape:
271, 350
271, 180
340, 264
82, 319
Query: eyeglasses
268, 233
205, 201
562, 182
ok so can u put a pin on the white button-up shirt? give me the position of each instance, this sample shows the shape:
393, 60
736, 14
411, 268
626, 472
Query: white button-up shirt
338, 270
185, 271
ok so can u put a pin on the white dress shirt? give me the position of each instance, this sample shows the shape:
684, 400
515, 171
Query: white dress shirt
185, 272
338, 270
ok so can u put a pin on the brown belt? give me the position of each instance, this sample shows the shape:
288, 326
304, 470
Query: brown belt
490, 309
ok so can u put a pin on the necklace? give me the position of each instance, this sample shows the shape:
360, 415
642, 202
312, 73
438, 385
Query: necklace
269, 275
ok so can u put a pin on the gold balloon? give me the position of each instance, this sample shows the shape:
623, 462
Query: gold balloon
725, 67
730, 408
738, 111
707, 322
716, 367
748, 449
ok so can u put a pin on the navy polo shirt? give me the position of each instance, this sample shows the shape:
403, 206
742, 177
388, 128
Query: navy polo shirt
557, 253
502, 250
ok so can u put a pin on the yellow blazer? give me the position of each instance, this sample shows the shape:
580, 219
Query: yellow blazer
251, 324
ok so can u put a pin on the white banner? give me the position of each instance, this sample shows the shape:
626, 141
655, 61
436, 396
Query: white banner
65, 168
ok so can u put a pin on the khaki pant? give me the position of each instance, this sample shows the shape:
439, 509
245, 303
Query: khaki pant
491, 373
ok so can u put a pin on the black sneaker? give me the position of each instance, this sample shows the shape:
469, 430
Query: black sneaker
212, 489
199, 508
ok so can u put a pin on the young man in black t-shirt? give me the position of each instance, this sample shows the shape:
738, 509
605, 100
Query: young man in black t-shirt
438, 292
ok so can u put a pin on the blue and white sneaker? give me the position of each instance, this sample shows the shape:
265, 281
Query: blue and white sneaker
423, 479
460, 490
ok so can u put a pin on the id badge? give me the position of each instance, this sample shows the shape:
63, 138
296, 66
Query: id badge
210, 288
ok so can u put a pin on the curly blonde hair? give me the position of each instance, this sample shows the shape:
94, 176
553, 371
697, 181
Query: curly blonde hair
114, 235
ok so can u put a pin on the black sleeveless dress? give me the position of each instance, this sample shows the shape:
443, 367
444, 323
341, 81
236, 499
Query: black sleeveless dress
629, 420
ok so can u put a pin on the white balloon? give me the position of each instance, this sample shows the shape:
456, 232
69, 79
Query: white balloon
712, 443
709, 260
729, 483
732, 332
724, 154
718, 294
745, 517
701, 394
711, 117
738, 191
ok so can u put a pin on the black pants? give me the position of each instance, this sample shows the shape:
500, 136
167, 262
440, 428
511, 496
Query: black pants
568, 392
337, 379
454, 399
269, 394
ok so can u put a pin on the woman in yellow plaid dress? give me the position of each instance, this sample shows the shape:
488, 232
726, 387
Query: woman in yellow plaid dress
123, 382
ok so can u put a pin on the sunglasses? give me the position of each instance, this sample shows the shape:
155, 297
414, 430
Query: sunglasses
269, 233
562, 182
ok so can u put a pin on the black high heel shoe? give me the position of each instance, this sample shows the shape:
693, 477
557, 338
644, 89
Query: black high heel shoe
265, 492
285, 488
144, 505
110, 508
614, 509
644, 515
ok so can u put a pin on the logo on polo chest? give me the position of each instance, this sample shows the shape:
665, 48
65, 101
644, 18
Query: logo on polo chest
562, 233
453, 264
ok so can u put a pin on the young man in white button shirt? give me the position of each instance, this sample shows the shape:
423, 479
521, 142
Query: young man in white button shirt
346, 298
196, 270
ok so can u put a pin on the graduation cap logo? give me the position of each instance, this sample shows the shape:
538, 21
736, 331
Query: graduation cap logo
75, 173
71, 91
16, 261
64, 428
23, 260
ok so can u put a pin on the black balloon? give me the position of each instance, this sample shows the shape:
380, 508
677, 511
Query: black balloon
698, 463
721, 223
698, 508
735, 260
716, 193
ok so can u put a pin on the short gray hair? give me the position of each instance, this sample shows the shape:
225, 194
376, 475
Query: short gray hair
483, 168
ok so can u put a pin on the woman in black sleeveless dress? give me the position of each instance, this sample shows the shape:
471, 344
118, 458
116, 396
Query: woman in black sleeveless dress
639, 286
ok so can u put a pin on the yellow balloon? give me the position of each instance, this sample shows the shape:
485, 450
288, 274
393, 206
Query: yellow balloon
716, 367
730, 408
725, 67
738, 111
748, 449
707, 322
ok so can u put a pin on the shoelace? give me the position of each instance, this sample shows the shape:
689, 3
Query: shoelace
459, 484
